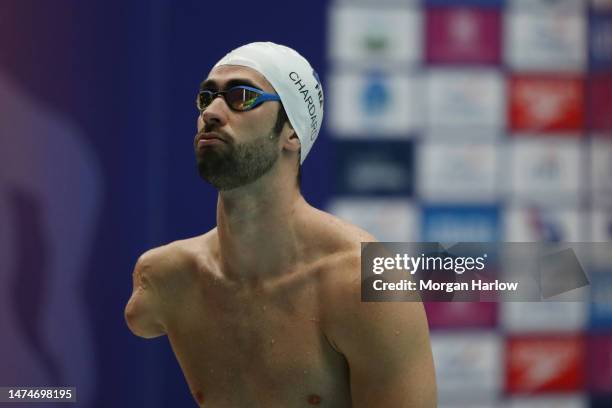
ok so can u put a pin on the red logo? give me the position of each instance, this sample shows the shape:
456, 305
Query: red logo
544, 364
546, 104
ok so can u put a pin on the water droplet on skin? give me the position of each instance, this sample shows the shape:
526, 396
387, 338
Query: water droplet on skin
264, 308
397, 332
272, 341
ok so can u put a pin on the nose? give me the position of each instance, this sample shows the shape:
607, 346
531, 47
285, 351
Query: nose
216, 113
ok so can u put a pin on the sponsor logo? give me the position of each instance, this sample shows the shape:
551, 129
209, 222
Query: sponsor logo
460, 224
601, 292
375, 168
533, 223
544, 364
545, 40
539, 316
460, 172
546, 104
463, 35
467, 365
375, 96
472, 99
388, 219
601, 40
374, 36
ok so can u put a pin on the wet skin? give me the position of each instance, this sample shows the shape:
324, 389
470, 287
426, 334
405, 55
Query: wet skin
265, 310
301, 339
239, 344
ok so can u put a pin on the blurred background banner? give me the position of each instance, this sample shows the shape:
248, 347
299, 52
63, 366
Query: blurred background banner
446, 120
508, 107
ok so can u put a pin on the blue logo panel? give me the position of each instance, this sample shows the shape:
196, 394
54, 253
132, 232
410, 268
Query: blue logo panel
600, 41
601, 300
374, 168
461, 224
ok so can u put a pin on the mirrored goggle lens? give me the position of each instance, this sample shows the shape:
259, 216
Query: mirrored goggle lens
241, 99
204, 99
238, 98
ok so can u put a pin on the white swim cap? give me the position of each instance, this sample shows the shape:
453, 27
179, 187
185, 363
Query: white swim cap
293, 79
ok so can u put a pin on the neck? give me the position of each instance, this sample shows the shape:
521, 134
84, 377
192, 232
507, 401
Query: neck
258, 229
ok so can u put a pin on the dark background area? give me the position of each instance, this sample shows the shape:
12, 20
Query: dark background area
126, 74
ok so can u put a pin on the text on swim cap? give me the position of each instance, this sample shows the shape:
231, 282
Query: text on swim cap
318, 88
310, 106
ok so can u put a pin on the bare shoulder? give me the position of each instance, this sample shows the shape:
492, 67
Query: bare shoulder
159, 275
177, 259
384, 340
345, 314
336, 234
342, 295
339, 253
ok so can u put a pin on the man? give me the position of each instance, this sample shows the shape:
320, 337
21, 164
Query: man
265, 309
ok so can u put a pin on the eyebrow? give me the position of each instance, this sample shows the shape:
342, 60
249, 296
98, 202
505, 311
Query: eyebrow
210, 84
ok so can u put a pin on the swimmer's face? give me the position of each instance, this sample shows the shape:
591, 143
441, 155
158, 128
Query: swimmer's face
236, 148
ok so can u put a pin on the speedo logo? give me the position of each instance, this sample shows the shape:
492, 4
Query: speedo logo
309, 101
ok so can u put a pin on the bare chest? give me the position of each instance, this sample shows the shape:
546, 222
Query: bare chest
257, 347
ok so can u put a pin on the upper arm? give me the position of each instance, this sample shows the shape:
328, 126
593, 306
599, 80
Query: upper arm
143, 314
387, 347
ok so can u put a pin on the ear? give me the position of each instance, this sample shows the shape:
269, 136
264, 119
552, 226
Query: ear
291, 142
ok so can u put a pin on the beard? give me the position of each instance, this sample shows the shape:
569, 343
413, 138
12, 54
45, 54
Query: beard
234, 165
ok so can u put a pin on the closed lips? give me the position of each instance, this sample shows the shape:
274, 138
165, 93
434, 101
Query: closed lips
209, 136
